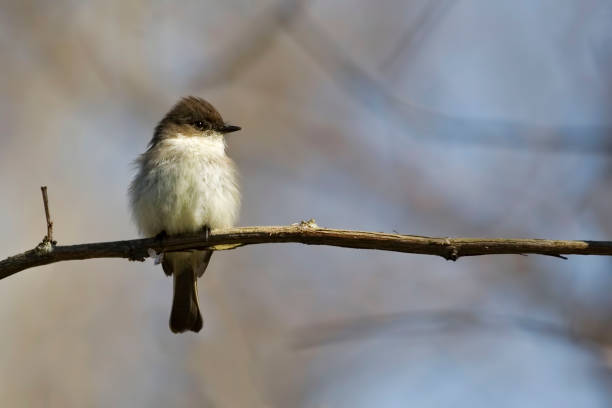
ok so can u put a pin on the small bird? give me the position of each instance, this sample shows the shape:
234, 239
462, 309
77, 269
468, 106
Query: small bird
186, 183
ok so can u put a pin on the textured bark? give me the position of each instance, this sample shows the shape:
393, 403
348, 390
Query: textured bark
305, 233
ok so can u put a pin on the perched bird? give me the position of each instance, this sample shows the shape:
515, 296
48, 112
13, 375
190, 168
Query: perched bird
186, 183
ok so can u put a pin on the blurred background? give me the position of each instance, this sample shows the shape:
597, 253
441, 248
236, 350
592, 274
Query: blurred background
440, 118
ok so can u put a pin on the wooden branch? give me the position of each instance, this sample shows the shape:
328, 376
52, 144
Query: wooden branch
49, 236
306, 233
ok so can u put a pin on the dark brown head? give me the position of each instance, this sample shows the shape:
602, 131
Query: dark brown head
191, 117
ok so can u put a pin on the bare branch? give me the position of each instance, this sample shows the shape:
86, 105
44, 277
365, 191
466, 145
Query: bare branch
49, 236
305, 233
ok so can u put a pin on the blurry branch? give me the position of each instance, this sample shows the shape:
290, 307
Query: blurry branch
306, 233
416, 33
427, 125
436, 321
253, 38
253, 41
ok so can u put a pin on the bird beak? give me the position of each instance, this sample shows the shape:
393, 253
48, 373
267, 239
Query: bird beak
230, 128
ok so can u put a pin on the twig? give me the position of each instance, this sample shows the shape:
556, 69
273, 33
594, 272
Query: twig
49, 237
305, 233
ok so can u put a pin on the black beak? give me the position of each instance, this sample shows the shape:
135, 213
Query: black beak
230, 128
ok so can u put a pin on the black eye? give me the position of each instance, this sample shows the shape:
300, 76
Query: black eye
200, 125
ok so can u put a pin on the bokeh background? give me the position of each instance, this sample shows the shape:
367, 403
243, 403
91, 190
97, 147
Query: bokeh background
440, 118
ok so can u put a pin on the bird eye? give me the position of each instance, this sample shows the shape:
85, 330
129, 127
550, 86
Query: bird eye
200, 125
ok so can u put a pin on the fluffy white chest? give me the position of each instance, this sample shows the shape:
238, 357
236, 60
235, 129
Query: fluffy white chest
184, 184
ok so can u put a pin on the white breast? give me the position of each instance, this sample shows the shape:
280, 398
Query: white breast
183, 184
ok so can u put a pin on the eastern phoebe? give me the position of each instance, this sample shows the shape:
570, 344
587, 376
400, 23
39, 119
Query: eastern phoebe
186, 183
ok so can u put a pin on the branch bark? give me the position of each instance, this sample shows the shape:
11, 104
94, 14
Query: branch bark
305, 233
49, 236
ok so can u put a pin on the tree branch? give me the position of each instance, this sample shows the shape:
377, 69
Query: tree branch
49, 236
306, 233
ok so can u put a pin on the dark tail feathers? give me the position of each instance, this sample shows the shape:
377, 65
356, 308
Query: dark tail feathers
185, 314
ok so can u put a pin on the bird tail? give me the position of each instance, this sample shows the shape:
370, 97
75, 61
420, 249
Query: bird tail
186, 268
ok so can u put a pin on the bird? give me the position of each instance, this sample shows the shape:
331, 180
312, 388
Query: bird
186, 183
